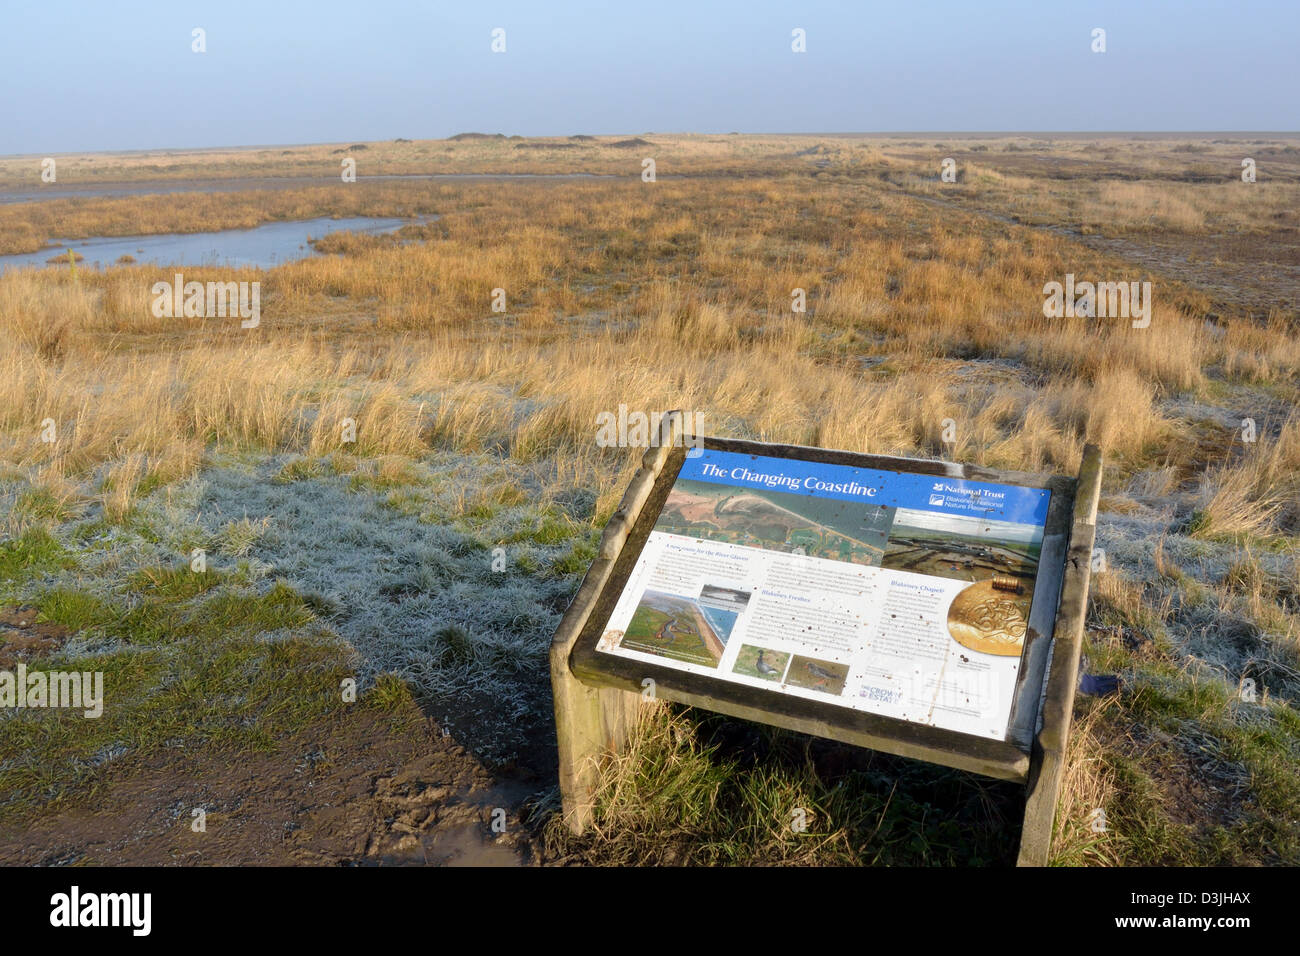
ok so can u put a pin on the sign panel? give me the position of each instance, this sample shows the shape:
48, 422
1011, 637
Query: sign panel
902, 594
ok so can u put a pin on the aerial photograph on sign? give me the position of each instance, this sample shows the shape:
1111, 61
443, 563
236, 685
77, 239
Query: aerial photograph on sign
778, 521
679, 628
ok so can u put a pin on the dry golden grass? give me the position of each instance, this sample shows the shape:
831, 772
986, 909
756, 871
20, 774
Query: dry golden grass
1104, 185
676, 294
1257, 493
1079, 837
1115, 187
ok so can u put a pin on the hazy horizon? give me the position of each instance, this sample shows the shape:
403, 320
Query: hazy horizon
971, 134
129, 79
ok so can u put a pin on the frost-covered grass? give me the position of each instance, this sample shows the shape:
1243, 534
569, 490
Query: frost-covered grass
415, 585
312, 573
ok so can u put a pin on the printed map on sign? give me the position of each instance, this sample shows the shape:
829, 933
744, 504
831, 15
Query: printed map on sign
898, 593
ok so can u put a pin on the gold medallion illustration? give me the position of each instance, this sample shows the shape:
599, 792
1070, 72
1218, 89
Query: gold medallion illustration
991, 617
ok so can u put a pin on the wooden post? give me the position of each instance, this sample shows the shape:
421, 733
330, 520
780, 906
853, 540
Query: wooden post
594, 722
1047, 760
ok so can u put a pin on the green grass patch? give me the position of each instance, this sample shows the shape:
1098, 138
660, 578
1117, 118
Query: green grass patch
75, 610
234, 613
548, 529
390, 695
33, 554
1200, 777
177, 583
167, 608
199, 674
575, 560
1138, 820
42, 504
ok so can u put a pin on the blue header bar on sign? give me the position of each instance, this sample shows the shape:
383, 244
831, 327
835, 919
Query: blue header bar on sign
898, 489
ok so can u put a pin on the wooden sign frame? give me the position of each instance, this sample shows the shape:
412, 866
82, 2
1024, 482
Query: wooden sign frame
598, 697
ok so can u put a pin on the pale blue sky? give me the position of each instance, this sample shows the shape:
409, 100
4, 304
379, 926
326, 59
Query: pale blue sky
121, 75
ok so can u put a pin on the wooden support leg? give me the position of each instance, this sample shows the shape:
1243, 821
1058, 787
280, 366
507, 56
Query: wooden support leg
592, 723
1047, 760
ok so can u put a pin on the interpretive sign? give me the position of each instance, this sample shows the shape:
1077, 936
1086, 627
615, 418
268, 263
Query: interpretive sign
905, 605
901, 594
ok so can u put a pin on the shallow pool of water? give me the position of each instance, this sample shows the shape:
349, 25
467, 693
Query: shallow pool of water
263, 246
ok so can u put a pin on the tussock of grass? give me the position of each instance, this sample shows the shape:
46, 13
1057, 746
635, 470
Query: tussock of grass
237, 538
35, 553
694, 789
1087, 786
176, 583
301, 468
1257, 495
45, 504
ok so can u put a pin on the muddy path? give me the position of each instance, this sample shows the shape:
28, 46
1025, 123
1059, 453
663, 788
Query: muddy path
357, 792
